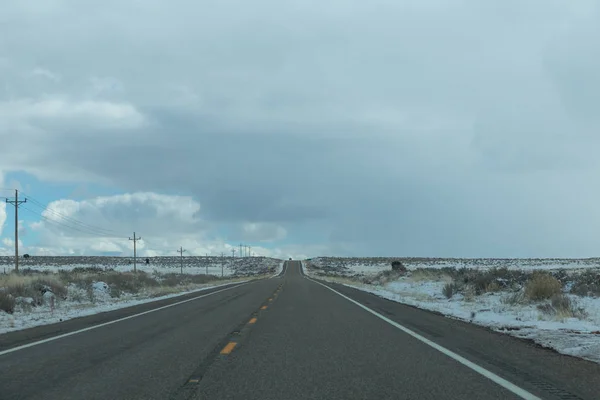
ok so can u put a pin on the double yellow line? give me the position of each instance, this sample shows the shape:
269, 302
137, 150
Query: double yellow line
231, 345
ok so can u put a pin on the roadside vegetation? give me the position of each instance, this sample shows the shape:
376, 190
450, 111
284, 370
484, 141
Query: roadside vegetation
31, 288
555, 293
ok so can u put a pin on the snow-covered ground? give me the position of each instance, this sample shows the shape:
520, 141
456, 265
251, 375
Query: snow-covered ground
227, 266
65, 310
367, 266
85, 297
279, 268
573, 336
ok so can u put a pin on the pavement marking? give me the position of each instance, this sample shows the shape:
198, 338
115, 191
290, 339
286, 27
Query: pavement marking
263, 308
229, 348
522, 393
271, 299
194, 380
89, 328
253, 320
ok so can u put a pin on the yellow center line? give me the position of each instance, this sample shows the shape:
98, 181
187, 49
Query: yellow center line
253, 320
229, 348
263, 308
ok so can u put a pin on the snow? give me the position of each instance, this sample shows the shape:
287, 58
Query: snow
372, 266
279, 269
97, 297
69, 309
571, 336
195, 265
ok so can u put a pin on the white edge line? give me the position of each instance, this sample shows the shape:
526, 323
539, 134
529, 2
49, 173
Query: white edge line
89, 328
522, 393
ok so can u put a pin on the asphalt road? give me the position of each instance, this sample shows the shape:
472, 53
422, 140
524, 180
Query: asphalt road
282, 338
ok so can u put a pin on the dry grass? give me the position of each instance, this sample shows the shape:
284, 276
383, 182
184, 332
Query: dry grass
562, 307
450, 289
7, 302
542, 286
33, 286
514, 299
429, 274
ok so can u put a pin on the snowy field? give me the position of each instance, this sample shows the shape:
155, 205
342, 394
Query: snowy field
228, 266
54, 289
370, 266
568, 322
65, 310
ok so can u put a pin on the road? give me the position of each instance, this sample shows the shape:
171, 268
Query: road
289, 338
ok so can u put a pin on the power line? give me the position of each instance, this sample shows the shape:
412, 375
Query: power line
79, 229
70, 219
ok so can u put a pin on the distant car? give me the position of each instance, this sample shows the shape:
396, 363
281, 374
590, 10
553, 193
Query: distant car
290, 258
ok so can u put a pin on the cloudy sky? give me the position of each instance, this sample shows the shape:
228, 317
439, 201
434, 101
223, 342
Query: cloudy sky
439, 128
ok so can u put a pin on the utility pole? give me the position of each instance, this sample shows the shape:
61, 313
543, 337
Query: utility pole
241, 252
222, 261
16, 202
134, 252
206, 263
181, 251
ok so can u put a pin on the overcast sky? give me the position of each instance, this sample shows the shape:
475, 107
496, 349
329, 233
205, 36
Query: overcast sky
394, 128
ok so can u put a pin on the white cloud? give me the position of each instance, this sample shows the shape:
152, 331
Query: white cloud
263, 232
164, 222
42, 72
40, 111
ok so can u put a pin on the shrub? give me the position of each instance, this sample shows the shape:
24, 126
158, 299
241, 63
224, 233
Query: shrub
33, 286
7, 302
93, 270
450, 289
514, 298
128, 282
562, 306
586, 284
542, 286
398, 266
42, 284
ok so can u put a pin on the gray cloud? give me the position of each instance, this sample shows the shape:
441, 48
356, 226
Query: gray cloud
422, 127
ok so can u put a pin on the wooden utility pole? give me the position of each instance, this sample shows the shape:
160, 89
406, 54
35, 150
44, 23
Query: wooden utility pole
16, 202
181, 251
222, 262
134, 252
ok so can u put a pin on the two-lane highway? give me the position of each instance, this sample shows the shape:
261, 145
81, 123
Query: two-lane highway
287, 337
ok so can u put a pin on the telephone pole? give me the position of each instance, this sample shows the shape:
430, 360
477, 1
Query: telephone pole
181, 251
135, 251
241, 252
250, 251
222, 261
206, 264
16, 202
